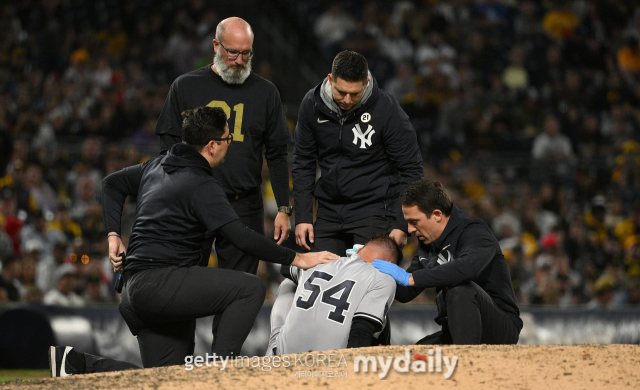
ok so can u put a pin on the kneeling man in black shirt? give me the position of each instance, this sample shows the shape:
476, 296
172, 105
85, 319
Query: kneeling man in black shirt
462, 259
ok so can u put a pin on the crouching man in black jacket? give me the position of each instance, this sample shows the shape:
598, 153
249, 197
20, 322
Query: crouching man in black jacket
462, 259
178, 201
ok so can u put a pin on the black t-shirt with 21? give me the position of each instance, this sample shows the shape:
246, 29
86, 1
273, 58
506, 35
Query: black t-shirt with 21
255, 116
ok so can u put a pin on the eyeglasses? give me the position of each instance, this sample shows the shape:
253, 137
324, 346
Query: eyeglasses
228, 139
233, 53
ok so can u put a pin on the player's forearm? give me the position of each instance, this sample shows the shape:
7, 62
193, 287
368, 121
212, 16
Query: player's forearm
361, 333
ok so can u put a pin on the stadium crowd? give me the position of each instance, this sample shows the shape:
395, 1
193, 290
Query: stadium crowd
527, 111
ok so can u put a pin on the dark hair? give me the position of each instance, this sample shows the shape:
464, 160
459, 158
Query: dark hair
201, 125
428, 195
388, 244
350, 66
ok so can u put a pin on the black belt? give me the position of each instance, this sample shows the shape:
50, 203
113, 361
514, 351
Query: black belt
233, 197
128, 274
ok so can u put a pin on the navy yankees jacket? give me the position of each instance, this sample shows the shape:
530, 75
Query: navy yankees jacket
366, 159
466, 251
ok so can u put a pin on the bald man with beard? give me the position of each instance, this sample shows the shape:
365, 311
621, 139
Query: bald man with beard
257, 124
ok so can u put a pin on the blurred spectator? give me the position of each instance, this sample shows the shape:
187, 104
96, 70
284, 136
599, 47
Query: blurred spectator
63, 223
27, 280
6, 245
632, 296
85, 197
434, 55
482, 57
516, 76
9, 277
78, 71
604, 289
629, 227
629, 56
143, 138
33, 295
394, 45
38, 235
11, 224
39, 190
402, 83
561, 22
552, 150
542, 288
64, 294
94, 290
332, 27
46, 268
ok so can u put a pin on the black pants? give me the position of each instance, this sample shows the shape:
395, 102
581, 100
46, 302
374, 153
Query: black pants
337, 237
473, 318
102, 364
160, 307
249, 209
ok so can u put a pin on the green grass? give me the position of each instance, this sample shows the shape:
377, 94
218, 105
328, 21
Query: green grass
12, 375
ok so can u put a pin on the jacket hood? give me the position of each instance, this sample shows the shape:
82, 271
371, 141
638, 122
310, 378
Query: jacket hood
182, 156
327, 97
458, 215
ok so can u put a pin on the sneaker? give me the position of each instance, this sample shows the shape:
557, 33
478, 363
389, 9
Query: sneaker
64, 361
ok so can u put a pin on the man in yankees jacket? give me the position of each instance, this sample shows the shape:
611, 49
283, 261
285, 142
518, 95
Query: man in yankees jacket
367, 152
461, 257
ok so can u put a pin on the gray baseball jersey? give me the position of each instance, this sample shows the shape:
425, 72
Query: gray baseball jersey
327, 298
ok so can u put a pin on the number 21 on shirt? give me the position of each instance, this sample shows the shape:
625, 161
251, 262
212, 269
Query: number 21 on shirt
239, 110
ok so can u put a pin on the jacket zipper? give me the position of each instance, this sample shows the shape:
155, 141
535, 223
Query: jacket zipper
340, 152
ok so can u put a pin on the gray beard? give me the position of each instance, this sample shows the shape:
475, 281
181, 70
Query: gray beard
227, 73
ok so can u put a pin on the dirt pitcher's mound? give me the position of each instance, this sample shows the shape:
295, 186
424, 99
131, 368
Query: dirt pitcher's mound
401, 367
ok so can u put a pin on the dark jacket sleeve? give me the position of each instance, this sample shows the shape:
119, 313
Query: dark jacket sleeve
305, 155
256, 244
401, 145
278, 173
477, 248
406, 294
115, 189
276, 139
361, 333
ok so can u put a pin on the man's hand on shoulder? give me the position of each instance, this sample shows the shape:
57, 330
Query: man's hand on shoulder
399, 237
302, 229
401, 276
311, 259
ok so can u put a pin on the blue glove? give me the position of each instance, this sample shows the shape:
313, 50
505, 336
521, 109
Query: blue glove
400, 275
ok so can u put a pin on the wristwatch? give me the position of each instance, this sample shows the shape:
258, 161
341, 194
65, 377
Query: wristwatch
286, 209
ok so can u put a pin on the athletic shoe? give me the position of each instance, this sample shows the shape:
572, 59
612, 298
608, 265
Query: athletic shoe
64, 361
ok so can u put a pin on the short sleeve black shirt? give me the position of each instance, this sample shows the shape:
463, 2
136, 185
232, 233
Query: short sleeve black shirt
255, 116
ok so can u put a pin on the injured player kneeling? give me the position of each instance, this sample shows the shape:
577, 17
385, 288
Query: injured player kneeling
342, 304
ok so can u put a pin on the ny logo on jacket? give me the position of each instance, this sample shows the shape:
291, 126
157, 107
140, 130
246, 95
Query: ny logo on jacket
364, 137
